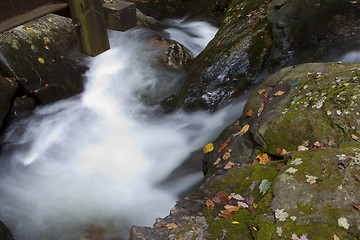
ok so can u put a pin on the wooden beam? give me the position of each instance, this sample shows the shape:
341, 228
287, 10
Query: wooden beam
30, 14
90, 26
120, 15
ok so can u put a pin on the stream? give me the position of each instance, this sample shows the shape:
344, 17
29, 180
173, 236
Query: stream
99, 160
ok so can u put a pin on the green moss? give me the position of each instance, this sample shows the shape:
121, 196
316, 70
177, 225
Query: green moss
222, 228
306, 209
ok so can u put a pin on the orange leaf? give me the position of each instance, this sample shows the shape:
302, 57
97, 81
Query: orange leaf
281, 151
210, 204
208, 148
232, 208
357, 207
279, 93
249, 113
308, 74
226, 156
261, 91
222, 147
171, 226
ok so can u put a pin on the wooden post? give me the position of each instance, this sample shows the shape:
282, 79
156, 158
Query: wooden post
120, 15
90, 26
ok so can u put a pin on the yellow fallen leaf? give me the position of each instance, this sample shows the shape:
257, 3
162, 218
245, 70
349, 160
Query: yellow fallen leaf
235, 222
279, 93
41, 60
171, 226
209, 147
263, 158
308, 74
353, 2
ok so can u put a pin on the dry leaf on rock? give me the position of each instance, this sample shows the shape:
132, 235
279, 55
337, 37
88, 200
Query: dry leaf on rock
221, 197
41, 60
308, 74
261, 91
171, 226
345, 162
222, 147
227, 215
232, 208
280, 151
217, 161
354, 137
312, 181
237, 197
357, 207
263, 158
302, 148
261, 109
229, 165
226, 155
279, 93
249, 113
331, 143
302, 237
210, 204
336, 237
317, 145
357, 177
209, 147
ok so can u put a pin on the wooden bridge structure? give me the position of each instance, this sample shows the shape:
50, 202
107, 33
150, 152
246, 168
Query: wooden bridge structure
91, 18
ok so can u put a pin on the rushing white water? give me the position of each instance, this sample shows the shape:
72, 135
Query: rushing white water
352, 56
98, 158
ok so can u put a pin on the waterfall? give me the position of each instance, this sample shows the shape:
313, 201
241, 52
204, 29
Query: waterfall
98, 158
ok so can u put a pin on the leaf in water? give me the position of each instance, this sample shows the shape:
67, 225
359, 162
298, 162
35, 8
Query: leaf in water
209, 147
41, 60
263, 158
171, 226
222, 147
210, 204
249, 113
279, 93
261, 109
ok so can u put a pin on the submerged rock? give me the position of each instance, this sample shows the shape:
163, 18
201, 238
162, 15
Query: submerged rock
273, 190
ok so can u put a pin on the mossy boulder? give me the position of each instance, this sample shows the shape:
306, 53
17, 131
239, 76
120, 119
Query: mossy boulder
37, 56
259, 37
294, 193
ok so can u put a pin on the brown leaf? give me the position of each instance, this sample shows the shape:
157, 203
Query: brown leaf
232, 208
295, 237
171, 226
222, 147
357, 177
331, 143
261, 91
312, 181
10, 79
279, 93
345, 162
210, 204
354, 137
316, 145
221, 197
249, 113
227, 215
263, 158
280, 151
302, 148
229, 165
217, 161
279, 166
261, 109
226, 155
336, 237
357, 207
249, 200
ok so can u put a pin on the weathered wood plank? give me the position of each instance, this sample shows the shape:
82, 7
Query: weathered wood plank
120, 15
90, 26
29, 14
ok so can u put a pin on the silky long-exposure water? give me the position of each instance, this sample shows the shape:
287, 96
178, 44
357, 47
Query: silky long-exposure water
98, 158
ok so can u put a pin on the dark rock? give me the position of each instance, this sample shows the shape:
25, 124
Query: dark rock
37, 55
259, 37
5, 233
8, 88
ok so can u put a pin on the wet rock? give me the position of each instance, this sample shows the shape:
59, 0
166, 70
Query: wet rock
258, 38
8, 88
5, 233
37, 56
22, 106
147, 21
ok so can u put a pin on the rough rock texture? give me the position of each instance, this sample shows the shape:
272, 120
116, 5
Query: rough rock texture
8, 88
283, 194
36, 55
259, 37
